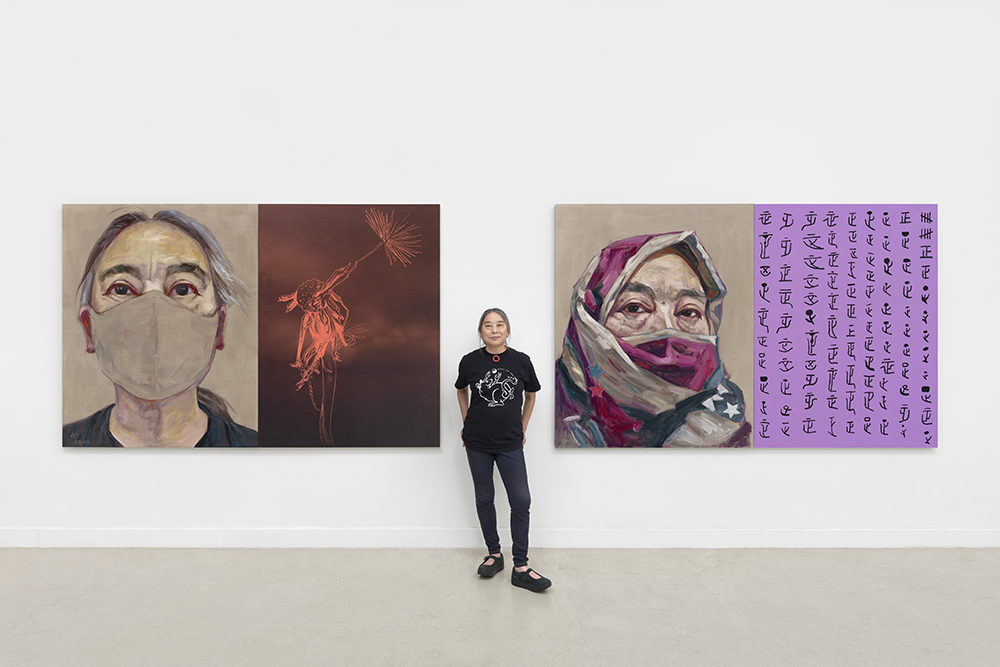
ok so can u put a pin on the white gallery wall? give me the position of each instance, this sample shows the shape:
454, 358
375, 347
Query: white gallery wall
498, 112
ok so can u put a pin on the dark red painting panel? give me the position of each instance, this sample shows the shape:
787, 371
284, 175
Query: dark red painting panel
349, 325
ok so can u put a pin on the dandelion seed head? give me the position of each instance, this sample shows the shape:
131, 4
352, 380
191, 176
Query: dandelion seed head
400, 240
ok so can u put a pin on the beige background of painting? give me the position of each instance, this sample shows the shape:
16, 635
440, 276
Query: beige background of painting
234, 370
583, 230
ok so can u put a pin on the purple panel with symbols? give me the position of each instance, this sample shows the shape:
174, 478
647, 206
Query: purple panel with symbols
846, 325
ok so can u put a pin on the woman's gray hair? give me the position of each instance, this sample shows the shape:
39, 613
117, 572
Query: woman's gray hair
228, 288
499, 312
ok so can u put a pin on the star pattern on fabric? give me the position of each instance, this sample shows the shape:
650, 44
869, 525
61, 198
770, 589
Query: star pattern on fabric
595, 372
596, 391
720, 395
724, 402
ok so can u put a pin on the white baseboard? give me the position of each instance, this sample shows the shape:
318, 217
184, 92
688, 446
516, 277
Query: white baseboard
260, 538
766, 538
451, 538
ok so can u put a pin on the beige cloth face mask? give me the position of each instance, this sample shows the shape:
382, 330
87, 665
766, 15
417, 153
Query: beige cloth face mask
152, 347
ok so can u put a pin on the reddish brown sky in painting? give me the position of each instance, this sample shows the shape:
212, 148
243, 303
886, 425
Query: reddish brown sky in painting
388, 382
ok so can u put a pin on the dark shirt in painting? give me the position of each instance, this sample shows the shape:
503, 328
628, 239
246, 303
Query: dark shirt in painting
95, 431
496, 386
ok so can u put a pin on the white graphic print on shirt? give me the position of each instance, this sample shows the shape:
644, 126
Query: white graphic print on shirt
497, 387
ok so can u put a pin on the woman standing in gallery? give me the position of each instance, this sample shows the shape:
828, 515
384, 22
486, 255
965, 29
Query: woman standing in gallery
494, 423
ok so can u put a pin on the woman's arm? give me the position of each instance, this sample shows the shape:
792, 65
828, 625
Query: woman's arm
338, 276
463, 407
529, 405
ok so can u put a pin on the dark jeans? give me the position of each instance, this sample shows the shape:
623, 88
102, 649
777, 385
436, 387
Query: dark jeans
515, 480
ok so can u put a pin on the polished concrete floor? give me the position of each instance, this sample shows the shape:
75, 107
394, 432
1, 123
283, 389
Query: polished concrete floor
746, 607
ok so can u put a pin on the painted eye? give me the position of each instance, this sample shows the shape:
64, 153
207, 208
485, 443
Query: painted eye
184, 289
690, 313
633, 309
120, 289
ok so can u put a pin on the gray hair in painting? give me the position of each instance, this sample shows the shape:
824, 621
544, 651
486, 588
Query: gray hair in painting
228, 288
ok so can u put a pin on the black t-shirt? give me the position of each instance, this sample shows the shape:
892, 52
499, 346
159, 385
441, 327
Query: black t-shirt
95, 431
496, 386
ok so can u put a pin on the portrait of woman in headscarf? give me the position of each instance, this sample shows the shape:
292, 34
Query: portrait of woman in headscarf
640, 363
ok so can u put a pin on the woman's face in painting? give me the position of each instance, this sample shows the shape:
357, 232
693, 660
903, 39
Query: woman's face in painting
154, 256
494, 330
664, 293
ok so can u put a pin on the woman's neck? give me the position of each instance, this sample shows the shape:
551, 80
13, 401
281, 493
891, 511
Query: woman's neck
496, 349
175, 421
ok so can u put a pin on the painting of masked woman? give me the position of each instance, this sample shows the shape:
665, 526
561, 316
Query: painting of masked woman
646, 358
160, 335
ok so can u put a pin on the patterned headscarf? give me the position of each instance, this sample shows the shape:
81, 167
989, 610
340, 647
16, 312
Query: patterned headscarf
655, 390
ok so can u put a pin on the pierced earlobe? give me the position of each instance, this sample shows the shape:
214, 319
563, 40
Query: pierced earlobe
85, 322
219, 339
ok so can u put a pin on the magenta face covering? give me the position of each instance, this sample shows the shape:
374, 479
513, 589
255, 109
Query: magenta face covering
678, 360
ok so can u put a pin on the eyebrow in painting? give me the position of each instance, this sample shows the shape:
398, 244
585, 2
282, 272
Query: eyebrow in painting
121, 268
187, 267
638, 287
696, 294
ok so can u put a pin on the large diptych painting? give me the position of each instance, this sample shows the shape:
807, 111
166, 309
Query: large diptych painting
251, 326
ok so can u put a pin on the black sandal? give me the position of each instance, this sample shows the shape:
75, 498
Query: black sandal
490, 570
525, 580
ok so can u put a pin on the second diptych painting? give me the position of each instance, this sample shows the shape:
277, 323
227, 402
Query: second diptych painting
767, 325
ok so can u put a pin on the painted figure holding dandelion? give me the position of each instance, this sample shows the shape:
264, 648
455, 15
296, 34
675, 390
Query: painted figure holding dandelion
326, 328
